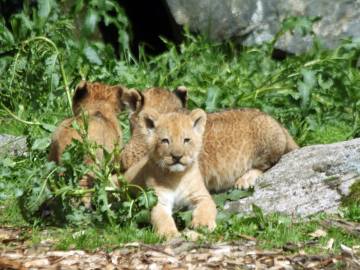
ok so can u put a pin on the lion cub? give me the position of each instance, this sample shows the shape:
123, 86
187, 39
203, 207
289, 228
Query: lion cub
238, 145
102, 103
159, 99
174, 141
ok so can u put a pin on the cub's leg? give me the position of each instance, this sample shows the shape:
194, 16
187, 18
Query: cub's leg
204, 213
163, 222
86, 183
248, 179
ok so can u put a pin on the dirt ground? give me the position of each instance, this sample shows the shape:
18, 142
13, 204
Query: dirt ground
177, 254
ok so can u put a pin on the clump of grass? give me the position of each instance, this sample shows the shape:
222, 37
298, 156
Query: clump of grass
352, 203
107, 238
354, 195
352, 212
282, 232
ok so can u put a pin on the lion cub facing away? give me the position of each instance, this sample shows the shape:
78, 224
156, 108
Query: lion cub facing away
102, 103
174, 141
238, 145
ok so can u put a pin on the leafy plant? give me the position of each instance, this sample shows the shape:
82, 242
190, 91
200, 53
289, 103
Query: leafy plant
56, 193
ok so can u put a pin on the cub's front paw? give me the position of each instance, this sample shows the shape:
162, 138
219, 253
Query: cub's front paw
242, 183
248, 179
203, 221
168, 233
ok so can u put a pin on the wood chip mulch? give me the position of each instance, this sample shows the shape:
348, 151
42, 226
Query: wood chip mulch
178, 254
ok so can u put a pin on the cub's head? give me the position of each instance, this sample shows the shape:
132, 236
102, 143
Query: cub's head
100, 96
175, 138
157, 99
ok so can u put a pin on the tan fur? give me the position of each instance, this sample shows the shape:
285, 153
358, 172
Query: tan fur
162, 101
174, 141
102, 103
238, 145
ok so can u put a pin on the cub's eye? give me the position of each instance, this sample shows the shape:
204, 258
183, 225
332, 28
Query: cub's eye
187, 140
165, 141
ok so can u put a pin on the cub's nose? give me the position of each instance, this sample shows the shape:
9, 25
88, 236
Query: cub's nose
176, 158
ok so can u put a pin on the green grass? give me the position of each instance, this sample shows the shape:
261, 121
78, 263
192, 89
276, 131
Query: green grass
10, 214
335, 131
315, 95
105, 238
271, 231
352, 212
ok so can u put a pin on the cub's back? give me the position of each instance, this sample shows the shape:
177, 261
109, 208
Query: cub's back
100, 130
237, 140
225, 130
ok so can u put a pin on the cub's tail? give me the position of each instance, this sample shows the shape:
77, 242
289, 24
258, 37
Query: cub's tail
290, 143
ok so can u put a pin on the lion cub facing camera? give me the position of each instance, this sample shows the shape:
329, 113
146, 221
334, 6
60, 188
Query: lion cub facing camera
174, 141
159, 99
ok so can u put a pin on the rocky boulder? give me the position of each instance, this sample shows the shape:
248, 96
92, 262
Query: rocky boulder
12, 145
307, 181
253, 22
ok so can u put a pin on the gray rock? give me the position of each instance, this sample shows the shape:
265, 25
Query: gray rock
253, 22
12, 145
306, 181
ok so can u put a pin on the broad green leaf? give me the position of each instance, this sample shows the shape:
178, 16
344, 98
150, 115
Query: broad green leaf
213, 94
18, 192
230, 195
91, 21
48, 127
306, 86
50, 64
142, 217
92, 56
41, 144
7, 162
301, 24
55, 80
6, 35
220, 199
44, 8
152, 198
186, 217
222, 216
237, 194
259, 215
325, 83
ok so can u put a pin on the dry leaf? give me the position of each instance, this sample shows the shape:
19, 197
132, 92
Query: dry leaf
191, 235
318, 233
346, 251
329, 244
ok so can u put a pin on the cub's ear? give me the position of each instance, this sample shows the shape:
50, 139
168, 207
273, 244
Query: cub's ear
133, 99
119, 91
150, 117
199, 119
181, 93
81, 91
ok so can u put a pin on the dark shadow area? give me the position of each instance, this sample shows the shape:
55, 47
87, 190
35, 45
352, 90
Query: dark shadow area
149, 21
8, 8
280, 54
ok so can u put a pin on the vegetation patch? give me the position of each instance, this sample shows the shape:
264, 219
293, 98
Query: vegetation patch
352, 202
354, 196
43, 55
